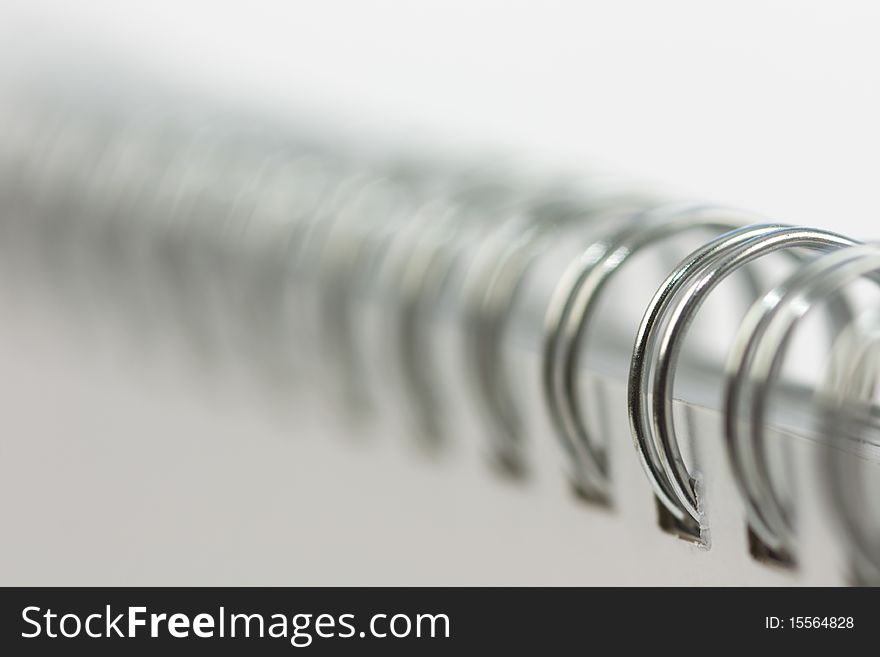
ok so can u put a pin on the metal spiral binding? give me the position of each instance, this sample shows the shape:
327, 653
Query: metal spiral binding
654, 356
754, 365
494, 284
573, 304
847, 400
267, 247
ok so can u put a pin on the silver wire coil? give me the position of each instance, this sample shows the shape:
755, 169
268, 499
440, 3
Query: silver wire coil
754, 365
847, 398
655, 353
268, 247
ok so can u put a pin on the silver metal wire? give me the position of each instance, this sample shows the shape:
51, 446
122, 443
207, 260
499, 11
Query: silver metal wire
572, 306
849, 428
753, 367
494, 284
269, 248
660, 339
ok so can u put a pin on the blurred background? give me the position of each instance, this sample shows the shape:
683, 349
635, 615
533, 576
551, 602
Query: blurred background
126, 463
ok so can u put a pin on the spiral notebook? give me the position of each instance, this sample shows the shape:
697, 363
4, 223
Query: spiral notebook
489, 374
